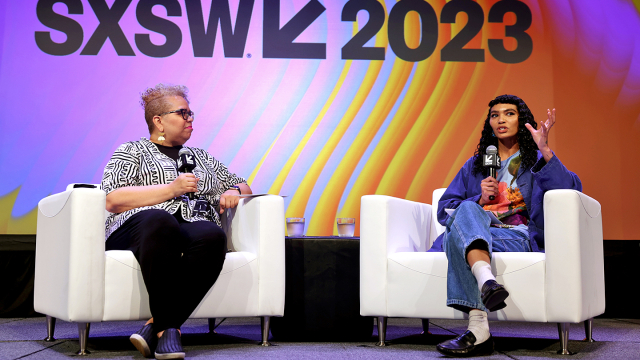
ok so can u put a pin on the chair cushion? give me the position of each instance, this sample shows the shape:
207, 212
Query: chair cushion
126, 296
417, 286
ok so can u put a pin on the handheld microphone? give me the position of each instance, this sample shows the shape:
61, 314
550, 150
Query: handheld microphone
491, 159
186, 163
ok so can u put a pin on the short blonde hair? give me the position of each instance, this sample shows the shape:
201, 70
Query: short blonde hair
153, 100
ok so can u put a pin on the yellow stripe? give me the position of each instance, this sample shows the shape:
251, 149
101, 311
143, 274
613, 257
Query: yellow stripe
327, 206
300, 199
282, 176
254, 173
25, 224
420, 90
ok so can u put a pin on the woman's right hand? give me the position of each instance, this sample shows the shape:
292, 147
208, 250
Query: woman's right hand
131, 197
185, 183
489, 187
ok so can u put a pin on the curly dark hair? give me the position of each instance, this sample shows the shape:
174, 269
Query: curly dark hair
528, 147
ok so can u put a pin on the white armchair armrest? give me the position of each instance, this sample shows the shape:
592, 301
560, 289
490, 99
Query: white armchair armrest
69, 274
573, 247
388, 225
257, 226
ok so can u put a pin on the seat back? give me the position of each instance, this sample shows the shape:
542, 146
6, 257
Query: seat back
437, 228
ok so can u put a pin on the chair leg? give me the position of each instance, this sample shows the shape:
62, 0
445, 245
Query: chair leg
212, 325
51, 327
588, 330
425, 326
83, 337
264, 325
563, 332
382, 331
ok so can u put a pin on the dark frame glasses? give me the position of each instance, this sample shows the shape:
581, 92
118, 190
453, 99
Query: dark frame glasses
186, 114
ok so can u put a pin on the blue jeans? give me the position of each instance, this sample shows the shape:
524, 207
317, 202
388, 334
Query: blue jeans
470, 223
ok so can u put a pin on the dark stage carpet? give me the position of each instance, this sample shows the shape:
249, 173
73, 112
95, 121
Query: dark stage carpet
21, 338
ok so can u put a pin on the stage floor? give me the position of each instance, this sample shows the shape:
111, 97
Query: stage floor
237, 338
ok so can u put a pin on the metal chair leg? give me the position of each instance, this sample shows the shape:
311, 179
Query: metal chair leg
212, 325
382, 331
83, 337
425, 326
51, 327
264, 325
563, 332
588, 330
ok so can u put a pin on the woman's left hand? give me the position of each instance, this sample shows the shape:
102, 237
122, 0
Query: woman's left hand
541, 135
228, 200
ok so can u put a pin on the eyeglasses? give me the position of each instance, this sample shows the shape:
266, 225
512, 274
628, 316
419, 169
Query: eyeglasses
186, 114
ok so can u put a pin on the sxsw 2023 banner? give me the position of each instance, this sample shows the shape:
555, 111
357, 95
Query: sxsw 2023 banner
323, 101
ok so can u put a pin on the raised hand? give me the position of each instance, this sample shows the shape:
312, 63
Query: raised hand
541, 135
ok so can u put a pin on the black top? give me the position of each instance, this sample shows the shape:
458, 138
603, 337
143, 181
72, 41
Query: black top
171, 151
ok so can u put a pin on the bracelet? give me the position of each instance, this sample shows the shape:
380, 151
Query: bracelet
236, 187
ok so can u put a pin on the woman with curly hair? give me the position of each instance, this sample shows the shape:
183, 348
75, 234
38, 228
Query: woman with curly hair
177, 239
528, 169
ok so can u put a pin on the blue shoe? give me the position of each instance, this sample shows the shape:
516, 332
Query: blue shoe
170, 345
145, 340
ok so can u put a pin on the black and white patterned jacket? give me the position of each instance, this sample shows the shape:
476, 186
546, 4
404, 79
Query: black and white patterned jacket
140, 163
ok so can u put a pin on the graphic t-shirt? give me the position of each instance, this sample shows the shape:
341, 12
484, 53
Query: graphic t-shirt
509, 206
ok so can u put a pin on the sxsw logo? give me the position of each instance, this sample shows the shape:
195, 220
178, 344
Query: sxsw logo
277, 42
186, 160
492, 160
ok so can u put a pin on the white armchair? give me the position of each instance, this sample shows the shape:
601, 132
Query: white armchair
76, 280
565, 284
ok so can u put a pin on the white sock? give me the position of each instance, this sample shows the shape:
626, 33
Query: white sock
482, 271
479, 325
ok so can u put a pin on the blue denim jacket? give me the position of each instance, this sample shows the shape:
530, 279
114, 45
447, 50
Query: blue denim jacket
533, 183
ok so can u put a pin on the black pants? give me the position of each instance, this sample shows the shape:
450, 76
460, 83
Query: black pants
180, 261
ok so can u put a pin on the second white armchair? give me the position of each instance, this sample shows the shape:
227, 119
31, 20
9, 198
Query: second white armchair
563, 285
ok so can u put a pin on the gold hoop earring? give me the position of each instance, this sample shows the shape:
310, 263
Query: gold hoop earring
161, 138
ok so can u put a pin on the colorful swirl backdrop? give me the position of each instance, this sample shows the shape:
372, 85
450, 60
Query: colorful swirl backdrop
326, 131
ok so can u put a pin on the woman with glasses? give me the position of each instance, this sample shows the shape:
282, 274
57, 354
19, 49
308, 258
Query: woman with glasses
169, 219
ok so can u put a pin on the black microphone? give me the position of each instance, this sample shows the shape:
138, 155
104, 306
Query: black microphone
491, 159
186, 163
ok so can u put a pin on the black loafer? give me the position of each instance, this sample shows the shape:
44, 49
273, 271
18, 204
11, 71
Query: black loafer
493, 295
170, 345
464, 346
145, 340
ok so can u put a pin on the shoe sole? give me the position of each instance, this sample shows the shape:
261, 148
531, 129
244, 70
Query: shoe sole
141, 344
175, 355
483, 349
467, 354
493, 301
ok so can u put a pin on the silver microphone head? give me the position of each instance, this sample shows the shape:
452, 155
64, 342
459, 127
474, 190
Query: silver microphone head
490, 149
185, 151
